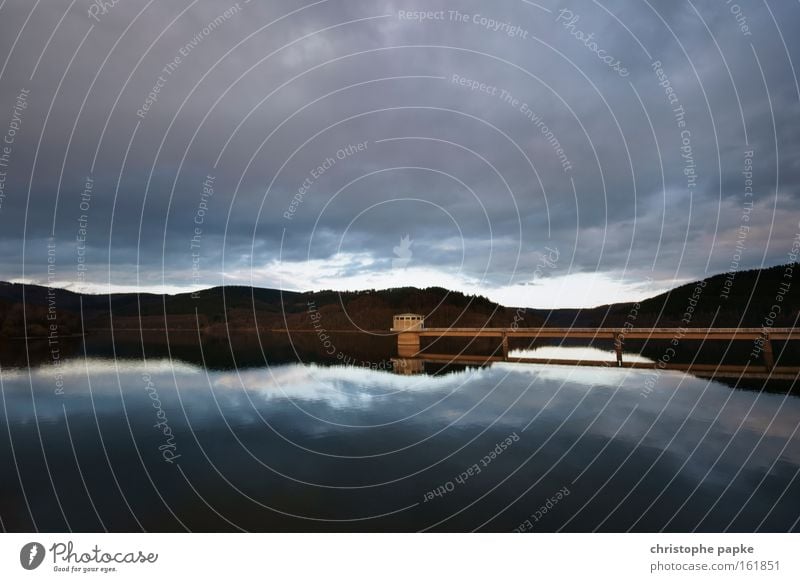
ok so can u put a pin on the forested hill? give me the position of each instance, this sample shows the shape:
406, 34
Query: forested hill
746, 300
237, 308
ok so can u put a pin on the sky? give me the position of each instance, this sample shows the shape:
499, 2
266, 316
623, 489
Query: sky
544, 154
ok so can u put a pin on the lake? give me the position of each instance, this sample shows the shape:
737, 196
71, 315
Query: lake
160, 443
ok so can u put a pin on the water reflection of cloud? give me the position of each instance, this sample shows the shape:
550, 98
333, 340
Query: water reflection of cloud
505, 395
78, 368
554, 392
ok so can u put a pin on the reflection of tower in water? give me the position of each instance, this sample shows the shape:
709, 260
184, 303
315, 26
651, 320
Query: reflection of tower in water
408, 366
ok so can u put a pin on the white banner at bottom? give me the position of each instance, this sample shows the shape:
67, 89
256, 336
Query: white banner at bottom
402, 557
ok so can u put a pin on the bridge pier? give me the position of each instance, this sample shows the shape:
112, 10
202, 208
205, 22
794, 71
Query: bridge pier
505, 346
769, 359
618, 341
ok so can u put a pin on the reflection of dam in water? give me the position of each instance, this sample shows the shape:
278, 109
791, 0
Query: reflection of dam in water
410, 328
408, 366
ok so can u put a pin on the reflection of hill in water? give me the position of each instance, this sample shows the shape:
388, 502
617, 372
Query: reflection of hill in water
416, 366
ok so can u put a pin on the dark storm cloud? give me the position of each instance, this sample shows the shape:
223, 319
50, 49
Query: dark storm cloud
556, 148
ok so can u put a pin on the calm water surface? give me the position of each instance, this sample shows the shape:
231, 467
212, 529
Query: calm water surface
166, 445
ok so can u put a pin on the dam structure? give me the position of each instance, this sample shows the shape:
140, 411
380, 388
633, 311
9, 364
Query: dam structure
410, 328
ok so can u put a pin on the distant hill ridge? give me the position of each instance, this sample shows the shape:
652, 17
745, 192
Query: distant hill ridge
239, 308
746, 300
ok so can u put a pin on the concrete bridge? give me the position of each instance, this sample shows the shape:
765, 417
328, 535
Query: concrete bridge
411, 329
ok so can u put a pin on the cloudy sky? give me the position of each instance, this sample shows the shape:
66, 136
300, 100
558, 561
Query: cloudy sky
541, 153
